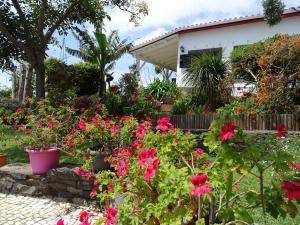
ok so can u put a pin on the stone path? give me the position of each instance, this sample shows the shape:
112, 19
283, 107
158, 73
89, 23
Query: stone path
20, 210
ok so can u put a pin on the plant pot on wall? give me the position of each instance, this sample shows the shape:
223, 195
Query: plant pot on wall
3, 159
166, 108
100, 164
168, 100
42, 160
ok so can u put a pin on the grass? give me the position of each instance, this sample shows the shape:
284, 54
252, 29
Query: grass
15, 151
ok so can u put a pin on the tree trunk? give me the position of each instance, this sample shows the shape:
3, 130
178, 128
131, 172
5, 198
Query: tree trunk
21, 83
102, 83
14, 82
40, 80
27, 85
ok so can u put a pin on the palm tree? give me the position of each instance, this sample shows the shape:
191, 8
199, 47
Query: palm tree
204, 75
101, 50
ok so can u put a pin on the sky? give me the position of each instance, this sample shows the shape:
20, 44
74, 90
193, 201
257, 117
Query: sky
164, 15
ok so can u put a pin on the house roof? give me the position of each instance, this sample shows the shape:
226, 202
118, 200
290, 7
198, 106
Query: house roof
146, 50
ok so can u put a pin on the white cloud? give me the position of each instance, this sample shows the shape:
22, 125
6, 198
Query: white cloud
172, 13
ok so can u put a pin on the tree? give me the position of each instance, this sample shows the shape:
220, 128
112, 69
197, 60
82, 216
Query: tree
204, 76
101, 50
27, 26
273, 11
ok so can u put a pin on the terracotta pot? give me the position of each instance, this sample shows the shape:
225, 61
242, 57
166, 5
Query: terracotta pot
42, 160
166, 108
3, 159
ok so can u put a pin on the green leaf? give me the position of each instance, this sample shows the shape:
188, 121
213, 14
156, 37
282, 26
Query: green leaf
243, 215
291, 209
200, 222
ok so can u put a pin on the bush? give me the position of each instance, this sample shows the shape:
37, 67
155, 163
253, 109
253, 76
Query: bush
205, 75
159, 89
65, 82
182, 105
5, 93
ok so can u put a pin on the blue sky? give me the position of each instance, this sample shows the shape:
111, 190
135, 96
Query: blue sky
164, 15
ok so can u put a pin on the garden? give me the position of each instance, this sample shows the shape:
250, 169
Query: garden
119, 136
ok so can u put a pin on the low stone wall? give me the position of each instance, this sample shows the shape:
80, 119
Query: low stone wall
60, 182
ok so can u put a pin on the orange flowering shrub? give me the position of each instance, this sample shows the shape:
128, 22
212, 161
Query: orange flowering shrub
274, 67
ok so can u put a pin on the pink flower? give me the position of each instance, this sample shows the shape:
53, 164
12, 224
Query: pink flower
84, 216
27, 131
200, 185
140, 130
151, 170
51, 124
70, 143
281, 131
198, 152
88, 174
122, 167
85, 223
60, 222
82, 124
110, 216
295, 166
145, 155
111, 186
19, 110
20, 127
145, 158
93, 192
99, 105
39, 123
227, 131
164, 124
292, 188
96, 182
95, 119
79, 171
82, 110
115, 129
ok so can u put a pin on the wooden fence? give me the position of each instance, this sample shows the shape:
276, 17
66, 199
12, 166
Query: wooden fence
267, 122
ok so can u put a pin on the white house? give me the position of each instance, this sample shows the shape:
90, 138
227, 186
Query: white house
173, 50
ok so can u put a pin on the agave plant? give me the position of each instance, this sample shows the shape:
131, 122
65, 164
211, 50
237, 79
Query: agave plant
101, 50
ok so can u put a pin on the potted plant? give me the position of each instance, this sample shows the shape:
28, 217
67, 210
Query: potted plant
99, 137
3, 149
43, 131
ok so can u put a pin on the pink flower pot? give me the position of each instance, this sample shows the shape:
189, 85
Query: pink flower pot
42, 160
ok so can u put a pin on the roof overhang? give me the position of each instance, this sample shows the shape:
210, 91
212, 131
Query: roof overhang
162, 52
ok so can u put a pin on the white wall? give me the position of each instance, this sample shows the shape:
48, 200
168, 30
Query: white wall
229, 37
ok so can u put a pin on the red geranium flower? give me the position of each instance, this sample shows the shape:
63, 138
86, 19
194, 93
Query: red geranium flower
281, 131
19, 110
82, 124
227, 131
79, 171
60, 222
110, 216
93, 192
84, 216
164, 124
295, 166
199, 152
292, 188
200, 185
51, 124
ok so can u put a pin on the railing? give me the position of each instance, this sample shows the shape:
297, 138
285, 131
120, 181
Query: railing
257, 122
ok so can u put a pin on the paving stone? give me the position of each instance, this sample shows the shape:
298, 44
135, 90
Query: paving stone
21, 210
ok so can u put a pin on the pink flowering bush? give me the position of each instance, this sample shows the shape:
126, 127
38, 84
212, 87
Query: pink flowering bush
239, 158
161, 176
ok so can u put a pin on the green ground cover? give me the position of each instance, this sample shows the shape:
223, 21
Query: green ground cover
15, 150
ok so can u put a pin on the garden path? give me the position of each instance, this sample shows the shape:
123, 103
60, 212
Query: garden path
21, 210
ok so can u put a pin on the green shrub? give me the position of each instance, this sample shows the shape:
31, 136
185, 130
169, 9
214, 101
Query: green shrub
159, 89
205, 75
182, 105
5, 93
